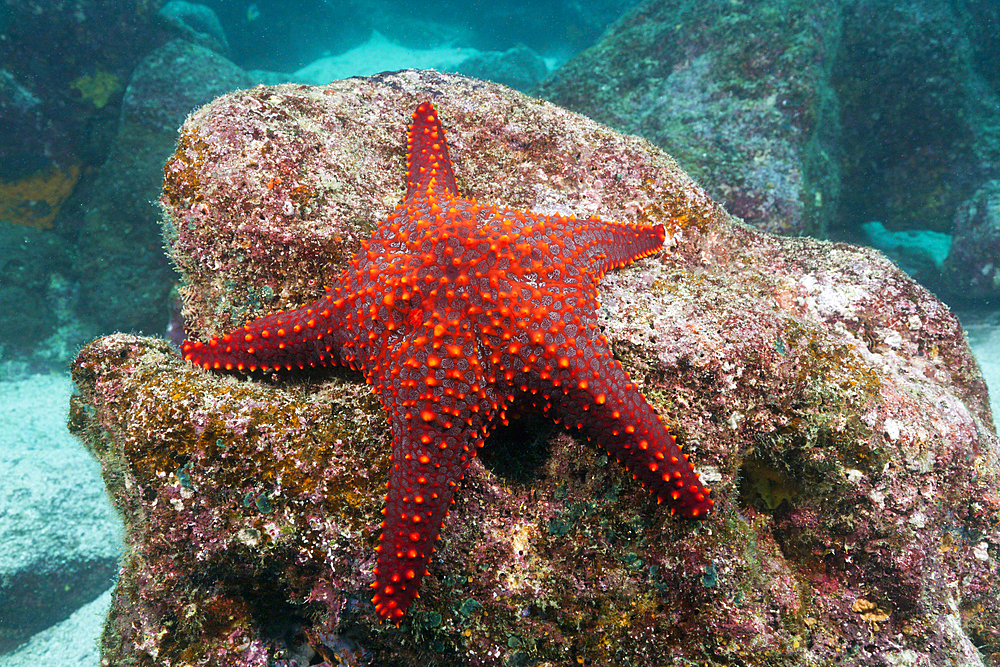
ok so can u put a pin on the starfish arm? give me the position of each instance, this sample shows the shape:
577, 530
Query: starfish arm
609, 409
283, 340
427, 159
611, 245
428, 463
583, 386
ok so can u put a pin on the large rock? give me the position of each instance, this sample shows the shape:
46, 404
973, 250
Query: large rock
972, 268
125, 279
920, 127
518, 67
739, 93
29, 262
830, 401
803, 116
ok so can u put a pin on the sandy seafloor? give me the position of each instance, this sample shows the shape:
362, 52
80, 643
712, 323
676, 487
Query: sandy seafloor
34, 445
983, 332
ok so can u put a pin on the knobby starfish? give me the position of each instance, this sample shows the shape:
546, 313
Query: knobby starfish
454, 310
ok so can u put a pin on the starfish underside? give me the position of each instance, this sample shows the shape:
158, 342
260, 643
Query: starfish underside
454, 310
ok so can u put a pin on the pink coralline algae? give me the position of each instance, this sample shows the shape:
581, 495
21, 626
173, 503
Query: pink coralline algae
830, 402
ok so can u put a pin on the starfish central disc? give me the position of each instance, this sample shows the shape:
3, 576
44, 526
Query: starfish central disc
453, 310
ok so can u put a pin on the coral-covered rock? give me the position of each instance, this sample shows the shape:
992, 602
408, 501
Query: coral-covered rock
830, 401
972, 268
260, 213
125, 279
739, 93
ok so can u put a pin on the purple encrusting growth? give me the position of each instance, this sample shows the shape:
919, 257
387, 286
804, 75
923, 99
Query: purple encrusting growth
831, 403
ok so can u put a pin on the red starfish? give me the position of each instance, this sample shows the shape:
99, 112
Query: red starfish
454, 310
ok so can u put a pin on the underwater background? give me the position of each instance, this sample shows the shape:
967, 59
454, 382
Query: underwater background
872, 122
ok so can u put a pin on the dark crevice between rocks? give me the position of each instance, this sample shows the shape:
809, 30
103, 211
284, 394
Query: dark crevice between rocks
764, 487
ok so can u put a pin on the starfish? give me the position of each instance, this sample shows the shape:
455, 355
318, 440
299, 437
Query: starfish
454, 310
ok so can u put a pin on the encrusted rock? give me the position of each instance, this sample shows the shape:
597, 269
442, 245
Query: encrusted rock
740, 95
125, 280
972, 268
830, 401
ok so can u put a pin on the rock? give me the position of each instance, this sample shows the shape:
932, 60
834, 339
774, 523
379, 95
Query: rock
197, 23
125, 280
59, 539
806, 117
64, 66
519, 67
831, 402
740, 95
972, 268
29, 260
919, 127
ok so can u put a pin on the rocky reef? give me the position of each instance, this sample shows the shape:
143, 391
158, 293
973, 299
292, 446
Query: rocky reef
125, 281
972, 266
812, 117
831, 402
739, 94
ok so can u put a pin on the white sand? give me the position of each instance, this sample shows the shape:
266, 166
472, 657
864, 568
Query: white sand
984, 338
376, 55
33, 412
55, 498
